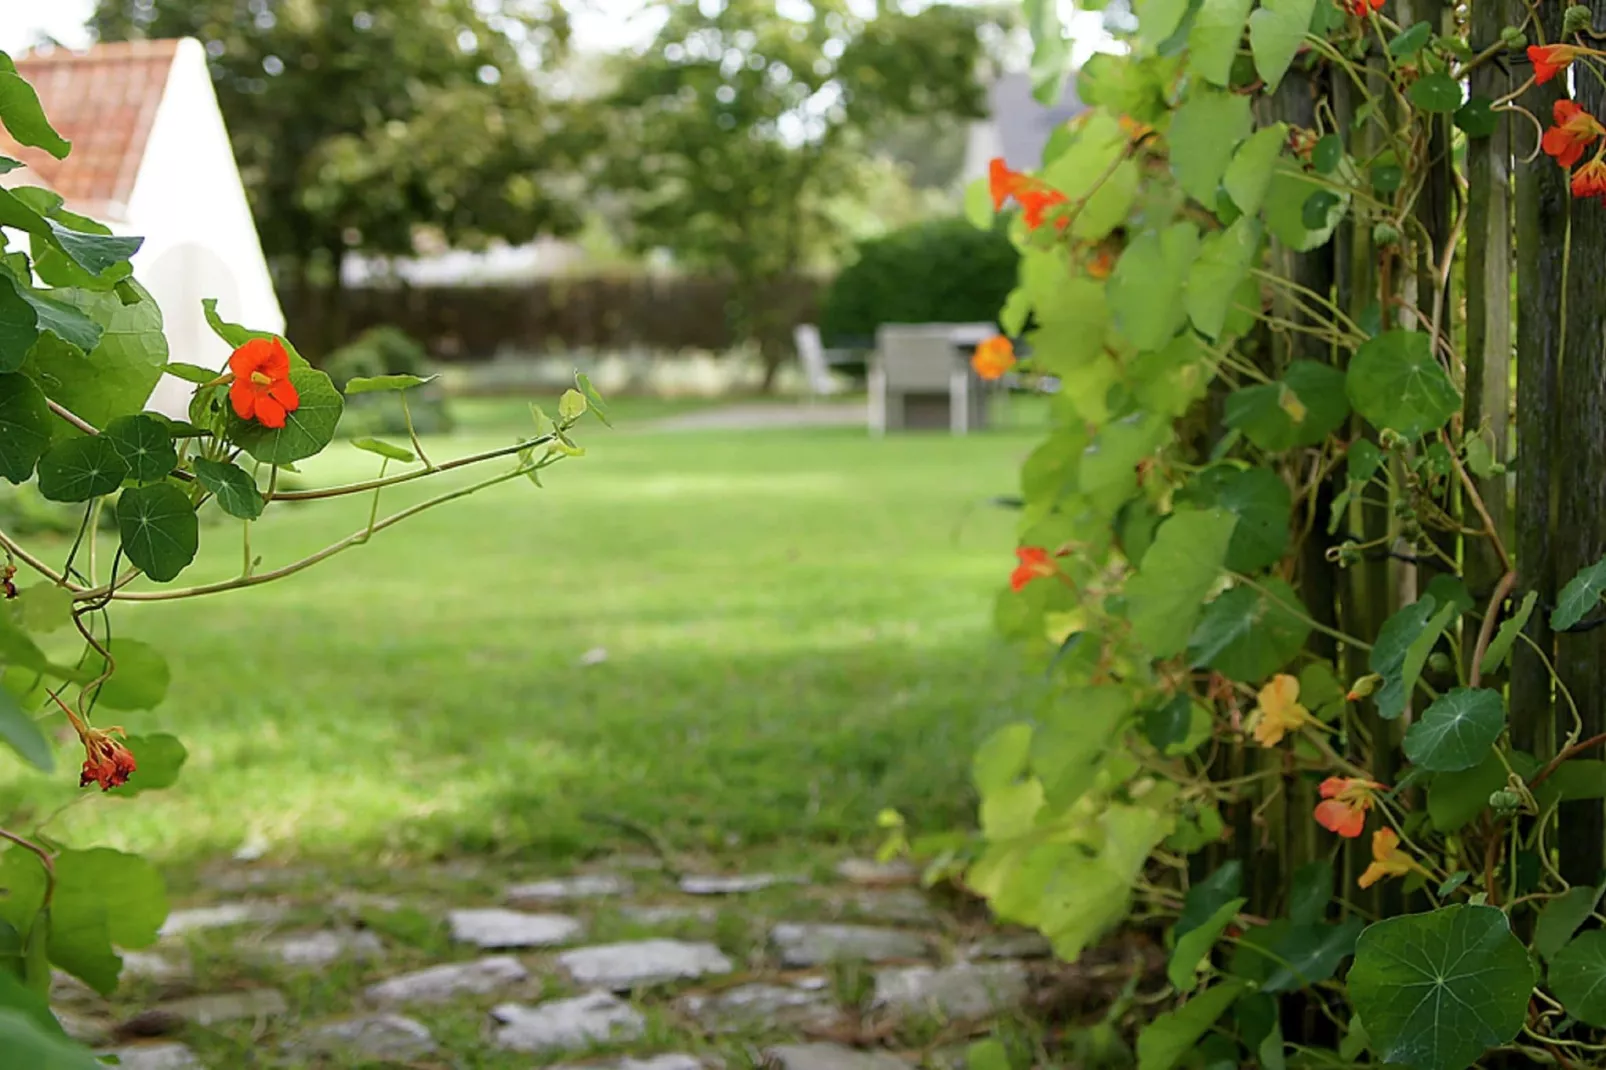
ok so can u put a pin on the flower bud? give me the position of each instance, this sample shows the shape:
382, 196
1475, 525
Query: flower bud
1385, 233
1363, 687
1504, 800
1575, 19
1513, 38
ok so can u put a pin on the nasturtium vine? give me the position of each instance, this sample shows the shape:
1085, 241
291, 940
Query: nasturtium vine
81, 348
1270, 546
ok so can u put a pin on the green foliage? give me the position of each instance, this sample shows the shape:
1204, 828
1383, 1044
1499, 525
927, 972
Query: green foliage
944, 271
371, 370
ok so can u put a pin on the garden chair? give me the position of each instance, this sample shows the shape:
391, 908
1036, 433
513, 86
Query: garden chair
816, 361
920, 374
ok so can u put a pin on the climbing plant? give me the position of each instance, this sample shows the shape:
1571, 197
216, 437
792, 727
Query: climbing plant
81, 348
1329, 696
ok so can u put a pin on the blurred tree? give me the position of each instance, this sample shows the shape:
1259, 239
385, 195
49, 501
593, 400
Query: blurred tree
361, 124
737, 126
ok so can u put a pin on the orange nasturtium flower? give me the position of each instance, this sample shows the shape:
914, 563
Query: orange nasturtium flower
993, 357
262, 390
1034, 196
1550, 60
1035, 563
1590, 179
1279, 712
107, 761
1359, 8
1387, 858
1346, 801
1574, 130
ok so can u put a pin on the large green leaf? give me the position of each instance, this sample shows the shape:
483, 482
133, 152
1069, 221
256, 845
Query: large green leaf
1456, 798
1578, 977
1456, 732
1306, 406
28, 1044
91, 251
1158, 19
159, 757
1206, 897
1285, 956
1165, 1041
1500, 646
236, 492
1260, 500
1194, 944
1164, 598
307, 429
1436, 990
139, 679
1068, 750
1213, 41
1290, 188
1001, 758
1248, 177
1275, 33
19, 324
1225, 258
1204, 131
1401, 649
159, 529
1145, 290
145, 445
24, 117
24, 427
1247, 634
1091, 172
104, 899
1312, 886
1051, 51
1396, 382
78, 469
67, 322
116, 377
1562, 916
21, 733
1580, 595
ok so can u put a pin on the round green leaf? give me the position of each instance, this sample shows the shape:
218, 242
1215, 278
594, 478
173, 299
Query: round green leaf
1313, 213
1436, 990
1477, 118
78, 469
104, 899
1386, 177
158, 759
306, 431
140, 677
1435, 92
1396, 382
1261, 502
1301, 410
1410, 41
44, 607
1578, 976
145, 444
235, 491
1328, 154
1178, 571
1457, 731
1246, 635
159, 529
1290, 190
24, 427
120, 367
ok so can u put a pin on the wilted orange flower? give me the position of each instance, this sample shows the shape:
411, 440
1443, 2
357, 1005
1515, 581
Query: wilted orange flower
1279, 712
993, 357
1034, 196
1550, 60
1387, 858
1590, 179
1035, 562
1347, 800
107, 762
1101, 263
1359, 8
1574, 130
262, 390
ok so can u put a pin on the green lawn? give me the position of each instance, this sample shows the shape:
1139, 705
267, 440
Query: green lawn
797, 627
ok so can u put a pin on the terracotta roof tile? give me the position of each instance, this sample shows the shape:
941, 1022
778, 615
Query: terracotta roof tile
104, 101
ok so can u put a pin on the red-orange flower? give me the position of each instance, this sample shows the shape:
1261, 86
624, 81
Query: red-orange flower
1359, 8
1034, 197
993, 357
107, 762
1347, 800
1575, 129
1550, 60
1035, 562
262, 390
1590, 179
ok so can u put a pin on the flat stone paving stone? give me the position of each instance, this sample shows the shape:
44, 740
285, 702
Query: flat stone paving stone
323, 948
586, 886
494, 928
227, 1006
651, 1062
965, 991
831, 1057
895, 904
1009, 946
733, 885
156, 1057
372, 1036
760, 1006
816, 945
438, 984
869, 872
222, 916
150, 966
567, 1024
641, 963
663, 914
90, 1030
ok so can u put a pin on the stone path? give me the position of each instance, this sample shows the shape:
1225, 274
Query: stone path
616, 968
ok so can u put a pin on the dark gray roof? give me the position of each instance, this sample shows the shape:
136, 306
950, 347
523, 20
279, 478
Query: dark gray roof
1023, 124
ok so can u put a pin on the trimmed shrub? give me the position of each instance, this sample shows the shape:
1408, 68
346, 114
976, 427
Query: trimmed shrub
387, 351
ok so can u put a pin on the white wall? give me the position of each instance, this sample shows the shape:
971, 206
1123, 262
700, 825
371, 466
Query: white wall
200, 240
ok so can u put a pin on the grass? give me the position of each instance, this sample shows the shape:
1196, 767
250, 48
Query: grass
797, 629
